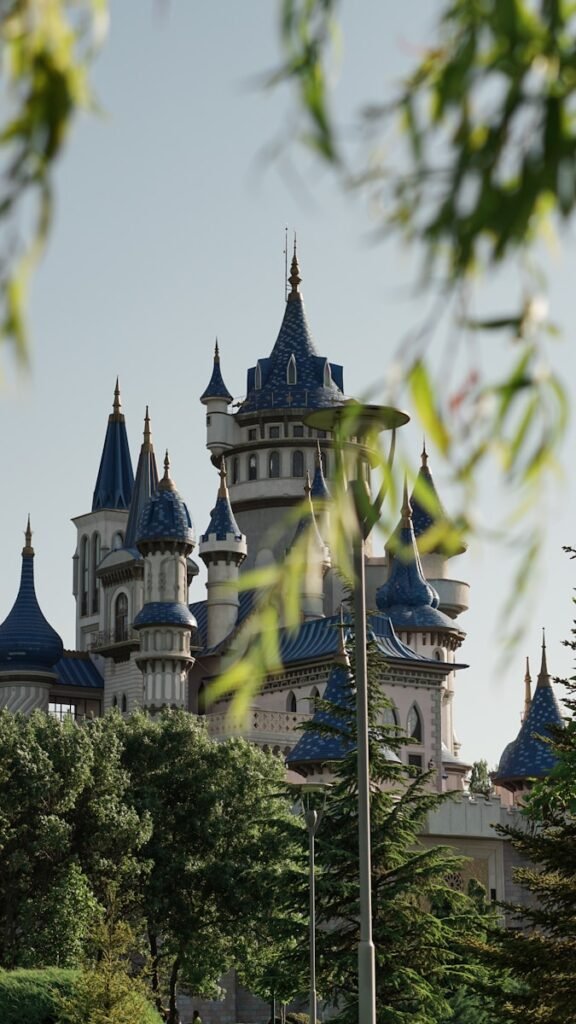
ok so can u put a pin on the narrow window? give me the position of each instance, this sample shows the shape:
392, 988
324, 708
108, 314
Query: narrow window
324, 461
274, 464
235, 469
291, 375
274, 432
298, 430
95, 583
202, 699
252, 434
117, 541
84, 575
115, 702
390, 716
291, 703
414, 724
258, 377
297, 464
415, 760
121, 618
327, 375
252, 467
124, 703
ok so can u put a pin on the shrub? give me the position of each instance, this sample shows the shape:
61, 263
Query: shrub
33, 995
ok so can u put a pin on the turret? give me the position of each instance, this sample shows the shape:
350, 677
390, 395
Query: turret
309, 549
222, 549
29, 647
167, 628
217, 398
531, 756
102, 529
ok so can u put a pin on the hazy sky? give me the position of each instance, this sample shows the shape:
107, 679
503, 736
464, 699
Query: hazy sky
169, 231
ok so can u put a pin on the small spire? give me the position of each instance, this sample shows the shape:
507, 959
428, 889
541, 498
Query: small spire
223, 489
166, 483
216, 352
543, 675
28, 549
527, 688
147, 432
116, 413
294, 279
406, 506
424, 455
307, 484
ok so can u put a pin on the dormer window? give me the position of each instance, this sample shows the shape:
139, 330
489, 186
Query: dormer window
327, 375
291, 375
258, 377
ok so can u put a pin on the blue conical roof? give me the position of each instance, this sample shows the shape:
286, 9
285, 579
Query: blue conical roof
27, 640
320, 491
115, 476
145, 484
222, 522
316, 746
529, 756
165, 517
406, 596
314, 382
427, 509
216, 386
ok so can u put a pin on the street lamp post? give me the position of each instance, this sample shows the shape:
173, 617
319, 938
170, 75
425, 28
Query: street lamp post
312, 818
352, 419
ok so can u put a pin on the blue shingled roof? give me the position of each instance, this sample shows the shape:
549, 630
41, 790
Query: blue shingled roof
406, 596
27, 640
165, 517
76, 668
216, 386
145, 485
319, 491
164, 613
428, 510
222, 521
318, 384
530, 756
318, 746
115, 478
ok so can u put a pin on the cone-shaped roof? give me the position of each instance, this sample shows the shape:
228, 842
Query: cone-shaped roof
165, 518
317, 746
115, 476
294, 376
530, 756
320, 491
27, 640
406, 596
145, 484
428, 511
216, 386
222, 522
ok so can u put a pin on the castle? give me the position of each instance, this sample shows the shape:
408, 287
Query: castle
146, 637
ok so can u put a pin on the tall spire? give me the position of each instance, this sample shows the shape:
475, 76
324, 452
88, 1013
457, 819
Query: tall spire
527, 689
145, 484
115, 476
294, 279
28, 550
27, 640
543, 675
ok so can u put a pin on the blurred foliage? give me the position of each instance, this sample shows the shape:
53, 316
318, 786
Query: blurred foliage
46, 48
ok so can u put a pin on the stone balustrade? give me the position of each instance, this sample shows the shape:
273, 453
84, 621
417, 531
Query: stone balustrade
259, 725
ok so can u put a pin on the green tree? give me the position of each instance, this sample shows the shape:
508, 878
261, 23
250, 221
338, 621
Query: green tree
480, 779
212, 850
421, 926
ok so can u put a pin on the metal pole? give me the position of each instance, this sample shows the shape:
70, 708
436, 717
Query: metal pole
366, 959
311, 818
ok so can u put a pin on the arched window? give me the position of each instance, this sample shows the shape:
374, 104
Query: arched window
297, 464
258, 377
252, 467
274, 464
439, 655
324, 461
291, 704
117, 541
327, 375
390, 716
121, 618
84, 575
124, 703
314, 695
95, 560
414, 724
235, 469
291, 374
115, 701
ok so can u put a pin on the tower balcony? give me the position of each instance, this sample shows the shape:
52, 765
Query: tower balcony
110, 644
454, 596
276, 730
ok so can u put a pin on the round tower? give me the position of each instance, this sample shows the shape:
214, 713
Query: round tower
29, 647
166, 626
217, 398
309, 549
222, 549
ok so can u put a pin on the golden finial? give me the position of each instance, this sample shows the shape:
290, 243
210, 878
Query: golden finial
216, 352
223, 489
424, 455
294, 279
527, 688
147, 433
28, 549
116, 414
166, 483
406, 506
543, 676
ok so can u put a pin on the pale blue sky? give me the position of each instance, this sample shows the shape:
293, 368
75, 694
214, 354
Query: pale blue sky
169, 230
